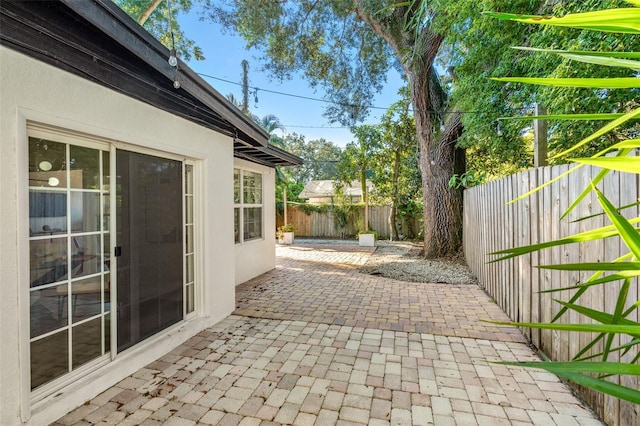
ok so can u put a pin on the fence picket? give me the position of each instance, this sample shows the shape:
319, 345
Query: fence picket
515, 284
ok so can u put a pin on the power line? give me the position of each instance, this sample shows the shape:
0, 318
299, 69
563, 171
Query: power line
309, 98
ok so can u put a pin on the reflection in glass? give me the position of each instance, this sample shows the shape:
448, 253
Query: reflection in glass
47, 161
49, 309
87, 256
190, 268
252, 223
106, 251
47, 213
107, 292
236, 186
236, 224
190, 299
107, 333
189, 208
85, 211
189, 238
105, 170
188, 180
85, 167
86, 298
87, 342
252, 187
106, 205
49, 358
48, 261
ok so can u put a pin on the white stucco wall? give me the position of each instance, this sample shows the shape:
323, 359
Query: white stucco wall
259, 256
31, 90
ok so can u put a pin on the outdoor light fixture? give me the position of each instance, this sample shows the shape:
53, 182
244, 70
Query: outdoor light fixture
53, 181
176, 83
173, 60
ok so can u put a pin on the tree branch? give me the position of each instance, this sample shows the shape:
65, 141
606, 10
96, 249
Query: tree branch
379, 29
144, 16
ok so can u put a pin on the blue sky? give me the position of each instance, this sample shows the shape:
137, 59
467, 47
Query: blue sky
224, 54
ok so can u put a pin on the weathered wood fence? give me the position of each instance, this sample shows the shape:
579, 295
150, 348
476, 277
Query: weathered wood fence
490, 224
321, 224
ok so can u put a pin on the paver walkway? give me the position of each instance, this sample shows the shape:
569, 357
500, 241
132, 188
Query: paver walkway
313, 343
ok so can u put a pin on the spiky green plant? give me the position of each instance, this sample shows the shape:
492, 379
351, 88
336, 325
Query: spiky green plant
619, 157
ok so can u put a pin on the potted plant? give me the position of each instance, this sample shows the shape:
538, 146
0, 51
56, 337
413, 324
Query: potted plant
367, 238
286, 234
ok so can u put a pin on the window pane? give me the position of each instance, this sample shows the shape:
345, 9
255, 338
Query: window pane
85, 211
87, 342
252, 223
85, 167
48, 309
190, 299
86, 298
106, 218
49, 358
236, 186
188, 180
47, 213
87, 255
48, 261
47, 163
189, 209
252, 183
190, 265
189, 238
236, 224
106, 171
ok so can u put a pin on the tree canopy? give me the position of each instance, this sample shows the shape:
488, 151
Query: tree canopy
347, 48
154, 16
478, 49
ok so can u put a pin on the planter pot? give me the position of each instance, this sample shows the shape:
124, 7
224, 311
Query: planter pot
367, 240
287, 238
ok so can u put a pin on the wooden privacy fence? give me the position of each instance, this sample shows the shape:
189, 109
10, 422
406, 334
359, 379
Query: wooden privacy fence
322, 224
490, 224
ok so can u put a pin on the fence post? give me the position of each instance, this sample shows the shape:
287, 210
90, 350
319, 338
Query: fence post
539, 137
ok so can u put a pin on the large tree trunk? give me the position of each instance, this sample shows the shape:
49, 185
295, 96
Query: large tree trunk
442, 204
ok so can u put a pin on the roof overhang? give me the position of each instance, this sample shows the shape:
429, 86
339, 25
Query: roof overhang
98, 41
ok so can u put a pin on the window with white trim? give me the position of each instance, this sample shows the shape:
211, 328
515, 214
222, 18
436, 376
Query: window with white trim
247, 212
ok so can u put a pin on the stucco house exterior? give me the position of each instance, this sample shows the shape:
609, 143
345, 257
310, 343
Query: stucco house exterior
123, 180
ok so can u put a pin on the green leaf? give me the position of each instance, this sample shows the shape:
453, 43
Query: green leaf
572, 371
622, 55
544, 185
633, 330
596, 180
623, 20
604, 386
603, 116
594, 266
602, 131
594, 83
582, 367
594, 234
628, 233
624, 164
602, 317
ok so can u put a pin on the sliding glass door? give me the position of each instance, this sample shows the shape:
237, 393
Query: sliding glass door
149, 197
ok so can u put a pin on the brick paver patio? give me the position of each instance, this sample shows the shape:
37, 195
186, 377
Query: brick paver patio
315, 342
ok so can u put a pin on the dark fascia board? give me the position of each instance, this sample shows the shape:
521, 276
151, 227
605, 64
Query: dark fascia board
113, 21
273, 154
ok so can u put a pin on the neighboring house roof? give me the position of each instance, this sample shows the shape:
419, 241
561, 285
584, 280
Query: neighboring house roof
96, 40
326, 188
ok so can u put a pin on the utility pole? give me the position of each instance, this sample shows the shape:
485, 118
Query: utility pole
540, 129
245, 86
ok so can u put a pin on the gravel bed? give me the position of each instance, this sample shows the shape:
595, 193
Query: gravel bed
404, 261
